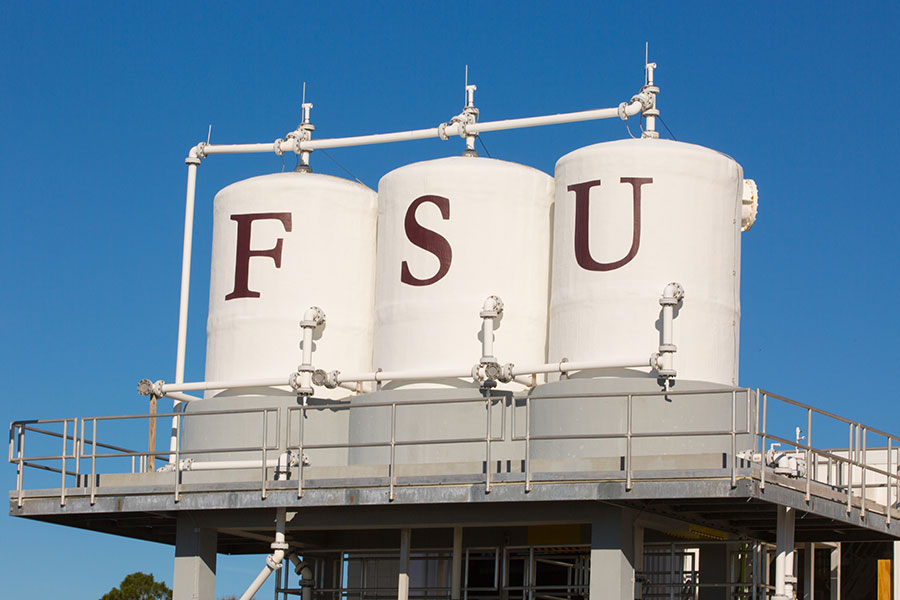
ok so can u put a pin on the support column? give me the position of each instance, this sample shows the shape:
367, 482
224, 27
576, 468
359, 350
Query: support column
403, 577
714, 568
784, 557
456, 569
895, 567
612, 554
195, 561
809, 573
836, 572
638, 561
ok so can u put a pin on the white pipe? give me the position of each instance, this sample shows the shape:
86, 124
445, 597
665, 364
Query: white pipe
420, 134
312, 318
491, 310
225, 465
202, 386
273, 561
192, 162
378, 376
566, 367
671, 296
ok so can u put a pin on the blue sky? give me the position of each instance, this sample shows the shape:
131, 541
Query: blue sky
101, 102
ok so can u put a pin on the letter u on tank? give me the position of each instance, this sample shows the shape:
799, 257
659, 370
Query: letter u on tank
582, 220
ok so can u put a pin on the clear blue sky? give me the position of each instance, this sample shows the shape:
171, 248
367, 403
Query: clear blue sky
100, 103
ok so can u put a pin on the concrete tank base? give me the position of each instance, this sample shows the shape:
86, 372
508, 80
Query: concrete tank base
451, 414
601, 417
249, 425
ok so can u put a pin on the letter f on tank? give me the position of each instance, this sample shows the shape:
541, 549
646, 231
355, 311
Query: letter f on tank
243, 253
582, 219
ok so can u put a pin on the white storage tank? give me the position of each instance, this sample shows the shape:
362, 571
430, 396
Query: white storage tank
452, 232
282, 243
630, 217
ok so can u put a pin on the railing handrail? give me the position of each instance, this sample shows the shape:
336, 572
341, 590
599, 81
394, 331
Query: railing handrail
85, 447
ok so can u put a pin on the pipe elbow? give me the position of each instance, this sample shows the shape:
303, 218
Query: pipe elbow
492, 307
313, 317
196, 154
672, 294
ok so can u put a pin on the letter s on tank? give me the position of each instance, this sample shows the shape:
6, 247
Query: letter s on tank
427, 240
582, 220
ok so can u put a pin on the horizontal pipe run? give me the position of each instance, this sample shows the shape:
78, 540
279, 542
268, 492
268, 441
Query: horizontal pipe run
566, 367
411, 375
182, 397
202, 386
450, 130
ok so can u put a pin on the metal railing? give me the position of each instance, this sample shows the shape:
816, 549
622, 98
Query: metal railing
840, 470
851, 474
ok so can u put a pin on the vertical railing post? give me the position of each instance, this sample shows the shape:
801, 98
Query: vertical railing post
628, 482
887, 481
265, 451
528, 443
62, 483
850, 471
79, 450
863, 462
300, 450
487, 449
177, 421
93, 460
762, 450
393, 466
20, 464
809, 465
733, 439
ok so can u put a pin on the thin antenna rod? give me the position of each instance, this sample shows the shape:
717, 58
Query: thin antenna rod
466, 87
646, 59
209, 134
303, 98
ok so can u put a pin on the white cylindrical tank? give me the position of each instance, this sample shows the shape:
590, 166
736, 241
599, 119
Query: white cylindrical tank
630, 217
282, 243
452, 232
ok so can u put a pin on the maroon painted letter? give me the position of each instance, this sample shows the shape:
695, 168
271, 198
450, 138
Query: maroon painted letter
582, 218
243, 253
427, 240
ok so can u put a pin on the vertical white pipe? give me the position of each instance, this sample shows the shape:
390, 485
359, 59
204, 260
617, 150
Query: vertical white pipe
487, 339
192, 163
668, 318
784, 558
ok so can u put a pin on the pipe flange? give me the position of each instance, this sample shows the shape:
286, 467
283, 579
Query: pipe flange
668, 348
319, 377
294, 382
667, 373
506, 373
270, 560
279, 546
492, 370
145, 387
442, 132
622, 111
276, 147
331, 379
